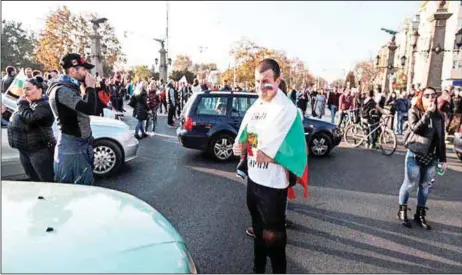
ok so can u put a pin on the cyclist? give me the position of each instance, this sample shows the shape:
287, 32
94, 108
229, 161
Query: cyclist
371, 113
345, 104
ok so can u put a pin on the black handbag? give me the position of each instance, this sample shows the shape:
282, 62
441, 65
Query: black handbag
417, 144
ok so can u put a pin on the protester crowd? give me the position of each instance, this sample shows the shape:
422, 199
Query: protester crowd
71, 97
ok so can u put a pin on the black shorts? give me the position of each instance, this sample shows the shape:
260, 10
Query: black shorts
267, 206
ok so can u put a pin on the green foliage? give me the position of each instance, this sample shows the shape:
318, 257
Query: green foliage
18, 46
67, 32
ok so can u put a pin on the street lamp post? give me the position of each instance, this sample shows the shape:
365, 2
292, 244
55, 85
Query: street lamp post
390, 68
96, 57
415, 39
436, 59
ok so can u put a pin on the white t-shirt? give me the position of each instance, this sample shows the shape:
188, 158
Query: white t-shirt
266, 174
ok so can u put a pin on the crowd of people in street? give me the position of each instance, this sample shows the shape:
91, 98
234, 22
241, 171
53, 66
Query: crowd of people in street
71, 97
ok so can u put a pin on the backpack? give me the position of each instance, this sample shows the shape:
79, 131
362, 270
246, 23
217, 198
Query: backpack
17, 132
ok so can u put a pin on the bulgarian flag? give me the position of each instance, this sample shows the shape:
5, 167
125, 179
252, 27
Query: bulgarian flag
283, 140
17, 84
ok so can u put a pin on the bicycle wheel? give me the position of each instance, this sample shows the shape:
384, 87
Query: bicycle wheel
354, 135
387, 142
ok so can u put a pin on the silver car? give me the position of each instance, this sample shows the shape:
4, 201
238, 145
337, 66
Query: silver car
114, 145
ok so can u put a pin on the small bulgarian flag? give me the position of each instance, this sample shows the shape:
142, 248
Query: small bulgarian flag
284, 139
17, 84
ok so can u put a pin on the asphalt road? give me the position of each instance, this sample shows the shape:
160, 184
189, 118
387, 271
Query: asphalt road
347, 225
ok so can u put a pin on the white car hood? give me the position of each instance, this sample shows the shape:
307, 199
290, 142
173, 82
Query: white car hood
85, 223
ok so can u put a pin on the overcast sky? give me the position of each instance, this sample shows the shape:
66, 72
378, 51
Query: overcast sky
329, 37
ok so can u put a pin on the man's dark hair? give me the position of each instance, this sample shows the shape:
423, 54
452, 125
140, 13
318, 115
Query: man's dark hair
370, 93
283, 86
10, 69
55, 71
269, 64
36, 73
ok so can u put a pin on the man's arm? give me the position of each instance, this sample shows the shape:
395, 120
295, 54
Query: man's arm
87, 105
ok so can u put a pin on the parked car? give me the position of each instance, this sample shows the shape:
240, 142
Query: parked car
458, 143
114, 145
70, 228
210, 122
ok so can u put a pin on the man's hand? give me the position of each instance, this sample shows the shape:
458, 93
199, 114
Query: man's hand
90, 81
263, 158
238, 149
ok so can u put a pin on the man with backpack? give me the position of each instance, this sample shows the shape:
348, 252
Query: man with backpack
71, 108
371, 114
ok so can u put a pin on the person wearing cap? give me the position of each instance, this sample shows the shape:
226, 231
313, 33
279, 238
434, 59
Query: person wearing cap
73, 161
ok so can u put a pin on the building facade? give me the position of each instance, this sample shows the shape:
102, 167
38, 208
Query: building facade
452, 61
451, 68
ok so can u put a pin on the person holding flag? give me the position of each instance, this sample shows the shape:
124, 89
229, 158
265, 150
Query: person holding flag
273, 136
15, 86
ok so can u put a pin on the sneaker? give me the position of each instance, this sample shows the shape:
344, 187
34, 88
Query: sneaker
249, 232
144, 135
138, 137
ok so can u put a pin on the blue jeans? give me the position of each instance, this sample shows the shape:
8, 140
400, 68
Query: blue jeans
414, 174
333, 110
74, 160
400, 122
139, 126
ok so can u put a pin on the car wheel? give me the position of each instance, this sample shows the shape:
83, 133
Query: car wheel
221, 147
320, 145
108, 157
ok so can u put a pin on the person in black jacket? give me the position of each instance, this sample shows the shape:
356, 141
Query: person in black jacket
31, 132
8, 79
141, 108
170, 95
73, 100
426, 146
390, 105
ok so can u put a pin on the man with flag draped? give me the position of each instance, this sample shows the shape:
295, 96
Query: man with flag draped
273, 136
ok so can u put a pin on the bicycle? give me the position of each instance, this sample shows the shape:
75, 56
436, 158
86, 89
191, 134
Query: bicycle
356, 134
350, 118
152, 119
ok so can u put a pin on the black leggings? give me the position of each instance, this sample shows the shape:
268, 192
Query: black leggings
267, 209
38, 165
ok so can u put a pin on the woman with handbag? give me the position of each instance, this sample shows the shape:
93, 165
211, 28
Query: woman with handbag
426, 146
30, 132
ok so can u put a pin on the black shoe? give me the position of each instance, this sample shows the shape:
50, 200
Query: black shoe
144, 135
402, 216
242, 168
419, 217
138, 137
